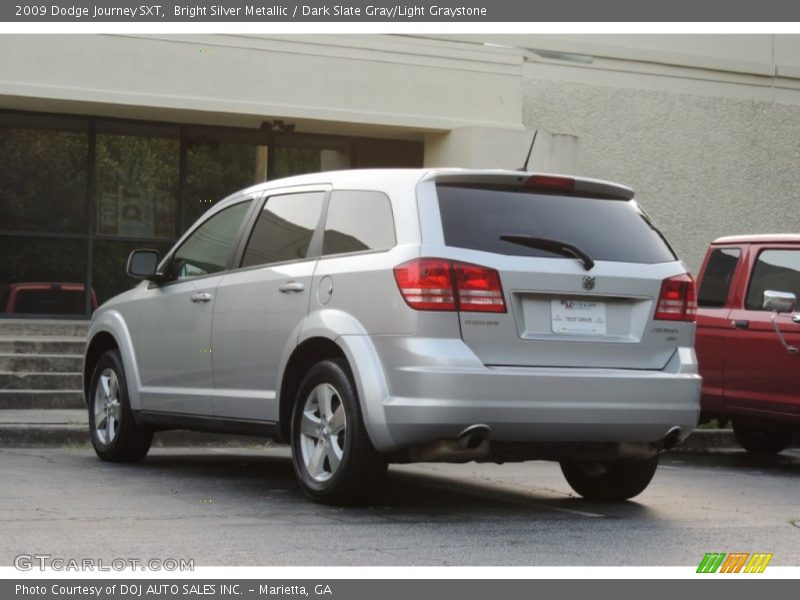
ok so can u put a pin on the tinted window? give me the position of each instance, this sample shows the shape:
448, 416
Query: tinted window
284, 229
614, 230
208, 248
358, 221
717, 277
776, 270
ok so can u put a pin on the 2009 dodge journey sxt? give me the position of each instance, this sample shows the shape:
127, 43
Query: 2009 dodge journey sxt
379, 316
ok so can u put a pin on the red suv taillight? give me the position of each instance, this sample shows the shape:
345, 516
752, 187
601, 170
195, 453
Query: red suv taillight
439, 284
677, 300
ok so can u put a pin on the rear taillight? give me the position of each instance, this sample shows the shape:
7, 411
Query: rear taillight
438, 284
677, 300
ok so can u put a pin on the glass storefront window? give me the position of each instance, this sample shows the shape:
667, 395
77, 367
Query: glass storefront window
42, 276
218, 164
82, 192
298, 154
43, 179
137, 180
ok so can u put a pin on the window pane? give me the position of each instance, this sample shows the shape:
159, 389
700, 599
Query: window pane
776, 270
376, 154
110, 260
137, 180
613, 230
219, 164
358, 221
44, 173
284, 229
717, 277
207, 250
295, 155
42, 276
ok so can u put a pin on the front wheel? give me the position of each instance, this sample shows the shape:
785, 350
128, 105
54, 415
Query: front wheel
116, 436
332, 455
761, 441
607, 481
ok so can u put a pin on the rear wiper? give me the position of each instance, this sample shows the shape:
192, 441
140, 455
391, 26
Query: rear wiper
554, 246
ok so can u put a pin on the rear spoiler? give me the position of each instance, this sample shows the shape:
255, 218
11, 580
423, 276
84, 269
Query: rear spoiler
539, 181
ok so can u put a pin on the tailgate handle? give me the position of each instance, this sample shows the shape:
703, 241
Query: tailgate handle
292, 286
741, 324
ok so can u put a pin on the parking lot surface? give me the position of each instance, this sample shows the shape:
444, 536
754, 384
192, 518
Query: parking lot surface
241, 506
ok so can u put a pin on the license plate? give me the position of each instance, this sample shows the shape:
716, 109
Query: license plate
578, 316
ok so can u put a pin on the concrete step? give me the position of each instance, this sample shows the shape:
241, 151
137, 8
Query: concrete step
41, 363
41, 399
43, 344
48, 327
40, 381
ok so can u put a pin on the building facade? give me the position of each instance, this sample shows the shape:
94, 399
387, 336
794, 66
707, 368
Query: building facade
112, 142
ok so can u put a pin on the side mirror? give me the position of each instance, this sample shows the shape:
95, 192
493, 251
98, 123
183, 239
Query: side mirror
779, 302
142, 264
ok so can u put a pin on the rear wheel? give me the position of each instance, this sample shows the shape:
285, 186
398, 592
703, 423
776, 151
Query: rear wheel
116, 436
757, 440
333, 457
614, 480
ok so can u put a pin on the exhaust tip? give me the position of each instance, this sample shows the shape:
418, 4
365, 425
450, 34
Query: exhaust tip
473, 436
672, 438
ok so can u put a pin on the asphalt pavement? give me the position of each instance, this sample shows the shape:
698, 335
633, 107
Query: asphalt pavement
241, 506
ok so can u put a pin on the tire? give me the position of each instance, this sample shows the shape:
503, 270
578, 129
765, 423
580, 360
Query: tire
610, 481
763, 442
115, 435
333, 458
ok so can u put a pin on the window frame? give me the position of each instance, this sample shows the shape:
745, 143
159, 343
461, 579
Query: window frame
166, 262
732, 284
314, 246
757, 252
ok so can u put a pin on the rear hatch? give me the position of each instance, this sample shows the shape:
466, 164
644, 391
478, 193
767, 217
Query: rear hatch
582, 272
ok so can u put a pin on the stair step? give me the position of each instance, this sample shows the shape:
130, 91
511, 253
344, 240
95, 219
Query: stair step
41, 363
42, 345
40, 399
50, 327
40, 381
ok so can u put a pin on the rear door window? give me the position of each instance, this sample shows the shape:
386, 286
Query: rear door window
475, 217
717, 277
775, 270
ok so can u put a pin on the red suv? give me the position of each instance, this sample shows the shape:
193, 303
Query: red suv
748, 337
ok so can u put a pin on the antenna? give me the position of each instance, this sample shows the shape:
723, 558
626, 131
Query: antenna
524, 167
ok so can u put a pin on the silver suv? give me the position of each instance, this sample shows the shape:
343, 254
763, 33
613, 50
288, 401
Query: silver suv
379, 316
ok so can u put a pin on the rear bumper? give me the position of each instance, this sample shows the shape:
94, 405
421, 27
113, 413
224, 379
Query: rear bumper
446, 392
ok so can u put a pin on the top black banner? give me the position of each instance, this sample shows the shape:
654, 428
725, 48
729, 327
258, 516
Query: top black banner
384, 11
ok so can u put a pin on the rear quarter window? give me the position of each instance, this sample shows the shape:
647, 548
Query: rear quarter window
358, 221
717, 277
475, 217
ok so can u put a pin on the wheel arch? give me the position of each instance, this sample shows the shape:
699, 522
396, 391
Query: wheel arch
335, 334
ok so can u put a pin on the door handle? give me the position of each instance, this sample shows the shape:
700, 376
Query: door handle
201, 297
740, 324
291, 286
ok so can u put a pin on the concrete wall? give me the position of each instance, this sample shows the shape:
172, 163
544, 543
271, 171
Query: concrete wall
710, 151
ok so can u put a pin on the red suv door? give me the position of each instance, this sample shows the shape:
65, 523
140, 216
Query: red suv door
761, 377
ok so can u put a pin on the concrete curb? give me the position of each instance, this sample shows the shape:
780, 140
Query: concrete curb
43, 435
60, 435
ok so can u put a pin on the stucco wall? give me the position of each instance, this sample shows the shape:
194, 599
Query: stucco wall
703, 166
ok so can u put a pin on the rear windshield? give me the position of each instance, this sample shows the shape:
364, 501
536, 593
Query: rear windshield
606, 229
